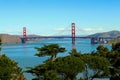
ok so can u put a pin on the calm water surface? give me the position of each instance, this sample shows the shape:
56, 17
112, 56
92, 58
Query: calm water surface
24, 53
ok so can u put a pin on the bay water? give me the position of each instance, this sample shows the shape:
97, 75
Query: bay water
24, 54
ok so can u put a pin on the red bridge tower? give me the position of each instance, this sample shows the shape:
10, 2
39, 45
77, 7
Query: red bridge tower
24, 34
73, 35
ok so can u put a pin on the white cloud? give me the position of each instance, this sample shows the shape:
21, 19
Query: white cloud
87, 29
59, 29
63, 29
92, 29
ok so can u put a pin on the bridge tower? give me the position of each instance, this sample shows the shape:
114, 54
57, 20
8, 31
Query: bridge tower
24, 34
73, 35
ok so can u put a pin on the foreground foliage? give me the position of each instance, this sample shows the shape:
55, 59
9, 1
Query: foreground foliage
113, 57
9, 69
103, 63
50, 50
61, 68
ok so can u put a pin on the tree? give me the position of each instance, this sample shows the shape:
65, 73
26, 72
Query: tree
102, 51
0, 42
98, 65
46, 71
9, 69
116, 47
51, 75
74, 52
50, 50
65, 68
113, 57
41, 71
69, 66
0, 46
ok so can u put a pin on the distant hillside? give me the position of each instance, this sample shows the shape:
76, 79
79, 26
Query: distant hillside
10, 39
113, 34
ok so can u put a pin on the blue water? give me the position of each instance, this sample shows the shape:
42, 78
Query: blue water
24, 53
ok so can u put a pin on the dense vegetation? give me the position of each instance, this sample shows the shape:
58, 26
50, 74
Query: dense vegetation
114, 41
9, 69
103, 63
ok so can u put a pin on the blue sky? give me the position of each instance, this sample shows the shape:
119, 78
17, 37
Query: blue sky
50, 17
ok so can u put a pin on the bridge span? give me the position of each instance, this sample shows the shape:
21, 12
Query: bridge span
94, 40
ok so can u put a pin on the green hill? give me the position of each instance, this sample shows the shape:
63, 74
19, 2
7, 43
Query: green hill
113, 34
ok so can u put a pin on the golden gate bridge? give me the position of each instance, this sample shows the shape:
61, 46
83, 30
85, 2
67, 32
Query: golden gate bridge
94, 40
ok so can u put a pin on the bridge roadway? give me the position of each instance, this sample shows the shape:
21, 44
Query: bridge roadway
94, 40
84, 37
54, 37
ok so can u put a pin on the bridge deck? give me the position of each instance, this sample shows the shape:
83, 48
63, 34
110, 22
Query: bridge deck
68, 37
